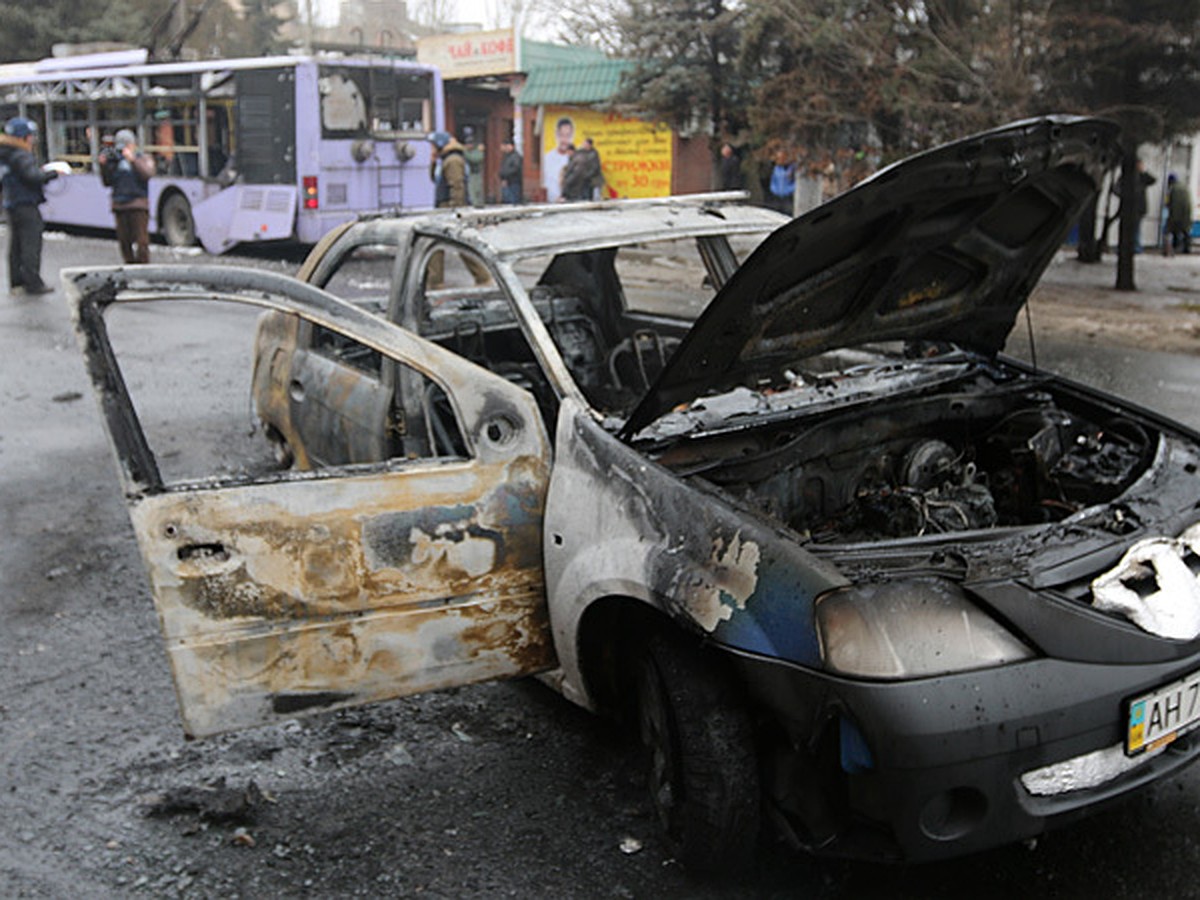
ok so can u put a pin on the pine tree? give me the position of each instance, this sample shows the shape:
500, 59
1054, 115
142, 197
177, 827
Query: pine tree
685, 56
29, 31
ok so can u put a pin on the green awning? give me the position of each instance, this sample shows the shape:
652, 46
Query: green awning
591, 82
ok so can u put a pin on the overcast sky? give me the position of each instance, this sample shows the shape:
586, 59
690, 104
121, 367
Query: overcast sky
466, 11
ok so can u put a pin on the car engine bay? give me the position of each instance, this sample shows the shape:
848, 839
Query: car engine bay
981, 453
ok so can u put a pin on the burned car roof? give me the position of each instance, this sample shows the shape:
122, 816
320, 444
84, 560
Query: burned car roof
550, 229
943, 246
511, 233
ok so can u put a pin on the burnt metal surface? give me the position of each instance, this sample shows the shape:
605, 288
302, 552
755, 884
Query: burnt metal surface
515, 232
340, 591
274, 341
312, 590
339, 412
619, 525
942, 246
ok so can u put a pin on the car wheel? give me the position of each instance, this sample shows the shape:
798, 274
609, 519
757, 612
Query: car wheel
701, 763
175, 222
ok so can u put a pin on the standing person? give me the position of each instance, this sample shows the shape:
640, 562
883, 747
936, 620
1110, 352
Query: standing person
127, 171
563, 173
1178, 236
555, 160
473, 153
781, 190
595, 168
582, 173
449, 170
22, 182
730, 169
512, 173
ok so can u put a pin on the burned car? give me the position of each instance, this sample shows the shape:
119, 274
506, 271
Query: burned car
847, 568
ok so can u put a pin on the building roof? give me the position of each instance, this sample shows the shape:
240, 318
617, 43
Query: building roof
588, 82
540, 53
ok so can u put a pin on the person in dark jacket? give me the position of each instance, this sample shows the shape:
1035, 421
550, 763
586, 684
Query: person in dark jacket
127, 171
730, 170
512, 172
1178, 235
582, 175
22, 183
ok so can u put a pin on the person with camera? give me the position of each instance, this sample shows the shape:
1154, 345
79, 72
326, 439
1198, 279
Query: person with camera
127, 170
22, 182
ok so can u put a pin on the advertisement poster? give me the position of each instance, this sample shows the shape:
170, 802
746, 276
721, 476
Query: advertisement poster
635, 156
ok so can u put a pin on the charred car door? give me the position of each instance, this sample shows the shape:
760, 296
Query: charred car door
284, 592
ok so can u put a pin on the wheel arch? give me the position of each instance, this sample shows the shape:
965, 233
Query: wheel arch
611, 632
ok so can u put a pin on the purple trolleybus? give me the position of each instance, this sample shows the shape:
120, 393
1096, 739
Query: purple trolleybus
273, 148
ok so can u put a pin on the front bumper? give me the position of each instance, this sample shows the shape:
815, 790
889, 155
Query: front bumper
932, 768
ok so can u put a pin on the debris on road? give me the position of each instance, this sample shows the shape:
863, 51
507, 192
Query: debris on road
214, 802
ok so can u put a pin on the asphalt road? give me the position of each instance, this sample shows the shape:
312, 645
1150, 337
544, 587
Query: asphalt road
495, 790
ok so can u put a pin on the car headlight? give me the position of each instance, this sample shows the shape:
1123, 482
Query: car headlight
908, 629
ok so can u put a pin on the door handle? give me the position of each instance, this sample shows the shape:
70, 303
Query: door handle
296, 390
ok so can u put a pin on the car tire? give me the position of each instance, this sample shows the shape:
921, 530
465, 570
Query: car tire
175, 222
701, 765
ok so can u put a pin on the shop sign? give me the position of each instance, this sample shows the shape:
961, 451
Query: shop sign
470, 55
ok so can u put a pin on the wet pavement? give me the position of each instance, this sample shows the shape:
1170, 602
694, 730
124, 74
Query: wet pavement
1168, 383
494, 790
1117, 339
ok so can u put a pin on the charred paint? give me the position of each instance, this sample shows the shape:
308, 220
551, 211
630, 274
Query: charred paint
317, 590
232, 594
375, 586
529, 646
628, 524
386, 654
391, 540
724, 585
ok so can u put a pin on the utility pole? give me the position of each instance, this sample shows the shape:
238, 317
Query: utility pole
310, 17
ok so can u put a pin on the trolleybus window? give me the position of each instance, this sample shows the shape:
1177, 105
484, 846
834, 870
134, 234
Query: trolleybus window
357, 102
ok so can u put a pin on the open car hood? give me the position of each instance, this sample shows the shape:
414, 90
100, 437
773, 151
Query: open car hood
942, 246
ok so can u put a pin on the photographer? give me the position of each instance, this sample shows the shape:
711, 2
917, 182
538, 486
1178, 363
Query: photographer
127, 170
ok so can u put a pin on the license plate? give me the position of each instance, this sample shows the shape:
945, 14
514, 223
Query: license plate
1161, 716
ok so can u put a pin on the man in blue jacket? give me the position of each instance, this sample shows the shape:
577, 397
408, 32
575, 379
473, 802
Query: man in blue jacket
22, 183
